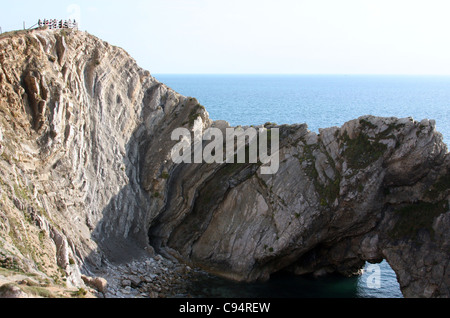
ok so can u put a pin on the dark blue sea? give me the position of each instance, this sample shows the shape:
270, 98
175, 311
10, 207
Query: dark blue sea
320, 101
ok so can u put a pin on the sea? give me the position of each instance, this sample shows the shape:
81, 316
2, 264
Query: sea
320, 101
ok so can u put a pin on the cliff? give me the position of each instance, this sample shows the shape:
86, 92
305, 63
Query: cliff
86, 180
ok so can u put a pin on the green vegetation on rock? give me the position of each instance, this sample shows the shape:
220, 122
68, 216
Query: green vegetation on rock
415, 217
360, 152
329, 191
195, 113
441, 185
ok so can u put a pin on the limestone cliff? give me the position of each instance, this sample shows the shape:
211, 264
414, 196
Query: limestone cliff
86, 179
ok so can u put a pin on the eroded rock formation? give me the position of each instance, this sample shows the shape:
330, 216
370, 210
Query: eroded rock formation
86, 178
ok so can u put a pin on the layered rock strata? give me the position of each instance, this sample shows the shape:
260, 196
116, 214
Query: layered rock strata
87, 180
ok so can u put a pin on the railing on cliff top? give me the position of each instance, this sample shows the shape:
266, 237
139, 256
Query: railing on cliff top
58, 24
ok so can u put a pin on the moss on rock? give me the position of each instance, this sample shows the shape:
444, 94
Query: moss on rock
415, 217
360, 152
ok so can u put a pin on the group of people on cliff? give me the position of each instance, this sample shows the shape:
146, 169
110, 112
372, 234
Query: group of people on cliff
58, 24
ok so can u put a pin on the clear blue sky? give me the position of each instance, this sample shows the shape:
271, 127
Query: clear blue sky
262, 36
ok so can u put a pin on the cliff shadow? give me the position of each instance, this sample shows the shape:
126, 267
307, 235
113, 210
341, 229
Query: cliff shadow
121, 231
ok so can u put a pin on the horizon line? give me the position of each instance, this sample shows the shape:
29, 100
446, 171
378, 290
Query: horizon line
304, 74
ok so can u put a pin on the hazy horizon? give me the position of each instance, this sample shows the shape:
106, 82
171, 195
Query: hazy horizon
323, 37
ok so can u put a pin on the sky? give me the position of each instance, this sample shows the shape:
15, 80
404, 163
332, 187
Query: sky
261, 36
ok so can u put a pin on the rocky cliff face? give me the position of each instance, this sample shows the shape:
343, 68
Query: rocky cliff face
87, 179
374, 189
74, 112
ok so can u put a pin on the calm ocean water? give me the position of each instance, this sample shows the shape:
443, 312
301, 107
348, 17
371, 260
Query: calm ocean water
320, 101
